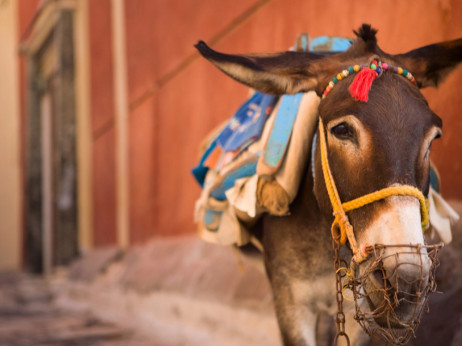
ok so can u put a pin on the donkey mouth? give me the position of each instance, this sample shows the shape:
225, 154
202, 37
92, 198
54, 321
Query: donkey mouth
392, 309
391, 290
393, 301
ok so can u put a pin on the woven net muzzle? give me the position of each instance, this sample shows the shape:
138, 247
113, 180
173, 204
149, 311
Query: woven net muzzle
401, 300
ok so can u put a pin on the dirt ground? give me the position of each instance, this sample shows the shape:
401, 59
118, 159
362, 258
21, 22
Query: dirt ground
29, 316
176, 292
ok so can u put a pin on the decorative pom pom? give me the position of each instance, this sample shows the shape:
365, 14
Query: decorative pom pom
362, 83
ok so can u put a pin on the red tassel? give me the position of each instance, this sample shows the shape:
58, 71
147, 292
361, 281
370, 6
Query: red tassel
362, 83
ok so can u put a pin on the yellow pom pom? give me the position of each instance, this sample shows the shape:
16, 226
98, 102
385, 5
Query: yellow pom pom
356, 68
340, 76
400, 70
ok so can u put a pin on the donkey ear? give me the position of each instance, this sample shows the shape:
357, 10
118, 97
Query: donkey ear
279, 73
431, 64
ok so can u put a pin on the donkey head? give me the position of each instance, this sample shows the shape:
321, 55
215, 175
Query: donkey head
371, 145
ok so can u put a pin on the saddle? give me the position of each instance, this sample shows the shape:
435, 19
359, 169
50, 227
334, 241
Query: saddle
251, 164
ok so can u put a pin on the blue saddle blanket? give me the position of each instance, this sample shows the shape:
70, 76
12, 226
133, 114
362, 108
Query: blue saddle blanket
243, 129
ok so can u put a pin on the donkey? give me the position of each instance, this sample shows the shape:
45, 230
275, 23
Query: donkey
377, 130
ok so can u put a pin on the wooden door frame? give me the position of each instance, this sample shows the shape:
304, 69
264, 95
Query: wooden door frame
51, 37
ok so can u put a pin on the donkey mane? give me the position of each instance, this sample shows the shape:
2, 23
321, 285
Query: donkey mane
367, 33
363, 47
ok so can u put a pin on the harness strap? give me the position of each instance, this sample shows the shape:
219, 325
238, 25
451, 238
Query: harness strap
405, 190
341, 228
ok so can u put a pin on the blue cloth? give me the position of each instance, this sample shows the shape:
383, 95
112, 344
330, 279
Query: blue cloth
247, 169
200, 171
434, 181
212, 219
330, 44
282, 129
247, 123
244, 128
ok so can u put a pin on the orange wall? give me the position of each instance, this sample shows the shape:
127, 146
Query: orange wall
176, 97
102, 123
167, 118
26, 12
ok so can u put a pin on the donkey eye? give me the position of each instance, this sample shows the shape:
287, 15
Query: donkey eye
342, 131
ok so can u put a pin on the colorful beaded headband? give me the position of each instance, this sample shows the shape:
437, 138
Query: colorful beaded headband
362, 83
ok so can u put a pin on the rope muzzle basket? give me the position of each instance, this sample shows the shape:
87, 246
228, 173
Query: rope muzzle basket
397, 294
391, 309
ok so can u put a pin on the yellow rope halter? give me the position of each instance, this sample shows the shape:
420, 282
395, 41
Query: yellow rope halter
341, 227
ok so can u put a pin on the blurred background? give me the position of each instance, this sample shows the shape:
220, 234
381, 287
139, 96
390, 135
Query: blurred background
103, 105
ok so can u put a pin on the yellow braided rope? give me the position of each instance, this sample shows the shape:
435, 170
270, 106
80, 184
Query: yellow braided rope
405, 190
341, 219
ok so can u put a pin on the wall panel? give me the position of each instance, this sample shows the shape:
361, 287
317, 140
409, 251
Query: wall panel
102, 120
104, 198
143, 172
102, 99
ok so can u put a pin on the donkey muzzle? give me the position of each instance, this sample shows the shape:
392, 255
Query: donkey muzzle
392, 289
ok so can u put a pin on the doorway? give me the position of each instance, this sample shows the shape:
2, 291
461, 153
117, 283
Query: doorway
51, 230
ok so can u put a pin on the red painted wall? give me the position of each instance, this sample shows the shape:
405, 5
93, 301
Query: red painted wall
102, 123
170, 115
26, 12
176, 97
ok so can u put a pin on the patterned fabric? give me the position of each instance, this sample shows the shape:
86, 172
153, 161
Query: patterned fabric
243, 129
